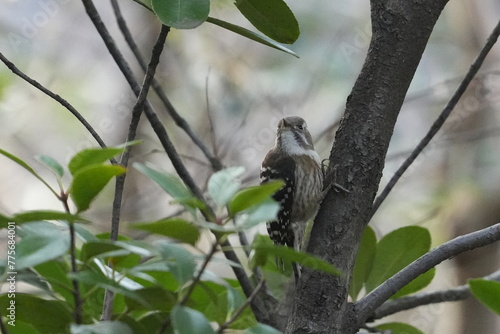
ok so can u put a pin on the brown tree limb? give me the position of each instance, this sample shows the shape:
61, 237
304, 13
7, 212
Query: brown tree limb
406, 303
366, 306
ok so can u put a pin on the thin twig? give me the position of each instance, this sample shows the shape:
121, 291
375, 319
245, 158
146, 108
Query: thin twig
74, 269
450, 295
242, 308
55, 97
474, 68
196, 280
179, 120
366, 306
134, 123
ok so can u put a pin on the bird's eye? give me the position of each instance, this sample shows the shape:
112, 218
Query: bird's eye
300, 127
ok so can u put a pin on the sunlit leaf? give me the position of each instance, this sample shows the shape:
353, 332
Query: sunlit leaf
92, 156
89, 182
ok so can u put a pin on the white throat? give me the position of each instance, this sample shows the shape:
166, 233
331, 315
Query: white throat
291, 147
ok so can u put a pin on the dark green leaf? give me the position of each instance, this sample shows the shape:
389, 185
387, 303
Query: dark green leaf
188, 321
250, 35
40, 242
181, 14
272, 17
30, 216
102, 327
262, 250
156, 298
251, 196
224, 184
395, 251
417, 284
364, 261
88, 183
172, 185
92, 249
55, 273
399, 328
487, 292
52, 164
175, 228
36, 312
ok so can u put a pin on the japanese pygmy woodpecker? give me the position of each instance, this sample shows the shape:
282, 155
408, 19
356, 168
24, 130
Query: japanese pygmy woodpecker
293, 160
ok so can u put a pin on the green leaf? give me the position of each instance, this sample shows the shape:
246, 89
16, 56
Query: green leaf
175, 228
30, 216
52, 164
263, 250
224, 184
399, 328
172, 185
487, 292
188, 321
89, 181
156, 298
250, 35
248, 197
262, 329
265, 211
364, 261
181, 14
46, 316
180, 261
55, 273
417, 284
92, 156
395, 251
272, 17
102, 327
23, 164
40, 242
92, 249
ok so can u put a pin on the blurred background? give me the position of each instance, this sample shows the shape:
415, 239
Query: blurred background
234, 91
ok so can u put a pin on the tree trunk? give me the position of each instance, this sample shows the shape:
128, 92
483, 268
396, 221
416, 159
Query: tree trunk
401, 30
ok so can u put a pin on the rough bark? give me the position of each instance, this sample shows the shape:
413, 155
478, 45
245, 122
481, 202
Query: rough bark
401, 30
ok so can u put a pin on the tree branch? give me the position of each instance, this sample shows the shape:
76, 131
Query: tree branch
474, 68
134, 123
400, 32
56, 97
405, 303
366, 306
179, 120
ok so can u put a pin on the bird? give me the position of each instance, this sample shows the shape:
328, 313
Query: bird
293, 160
